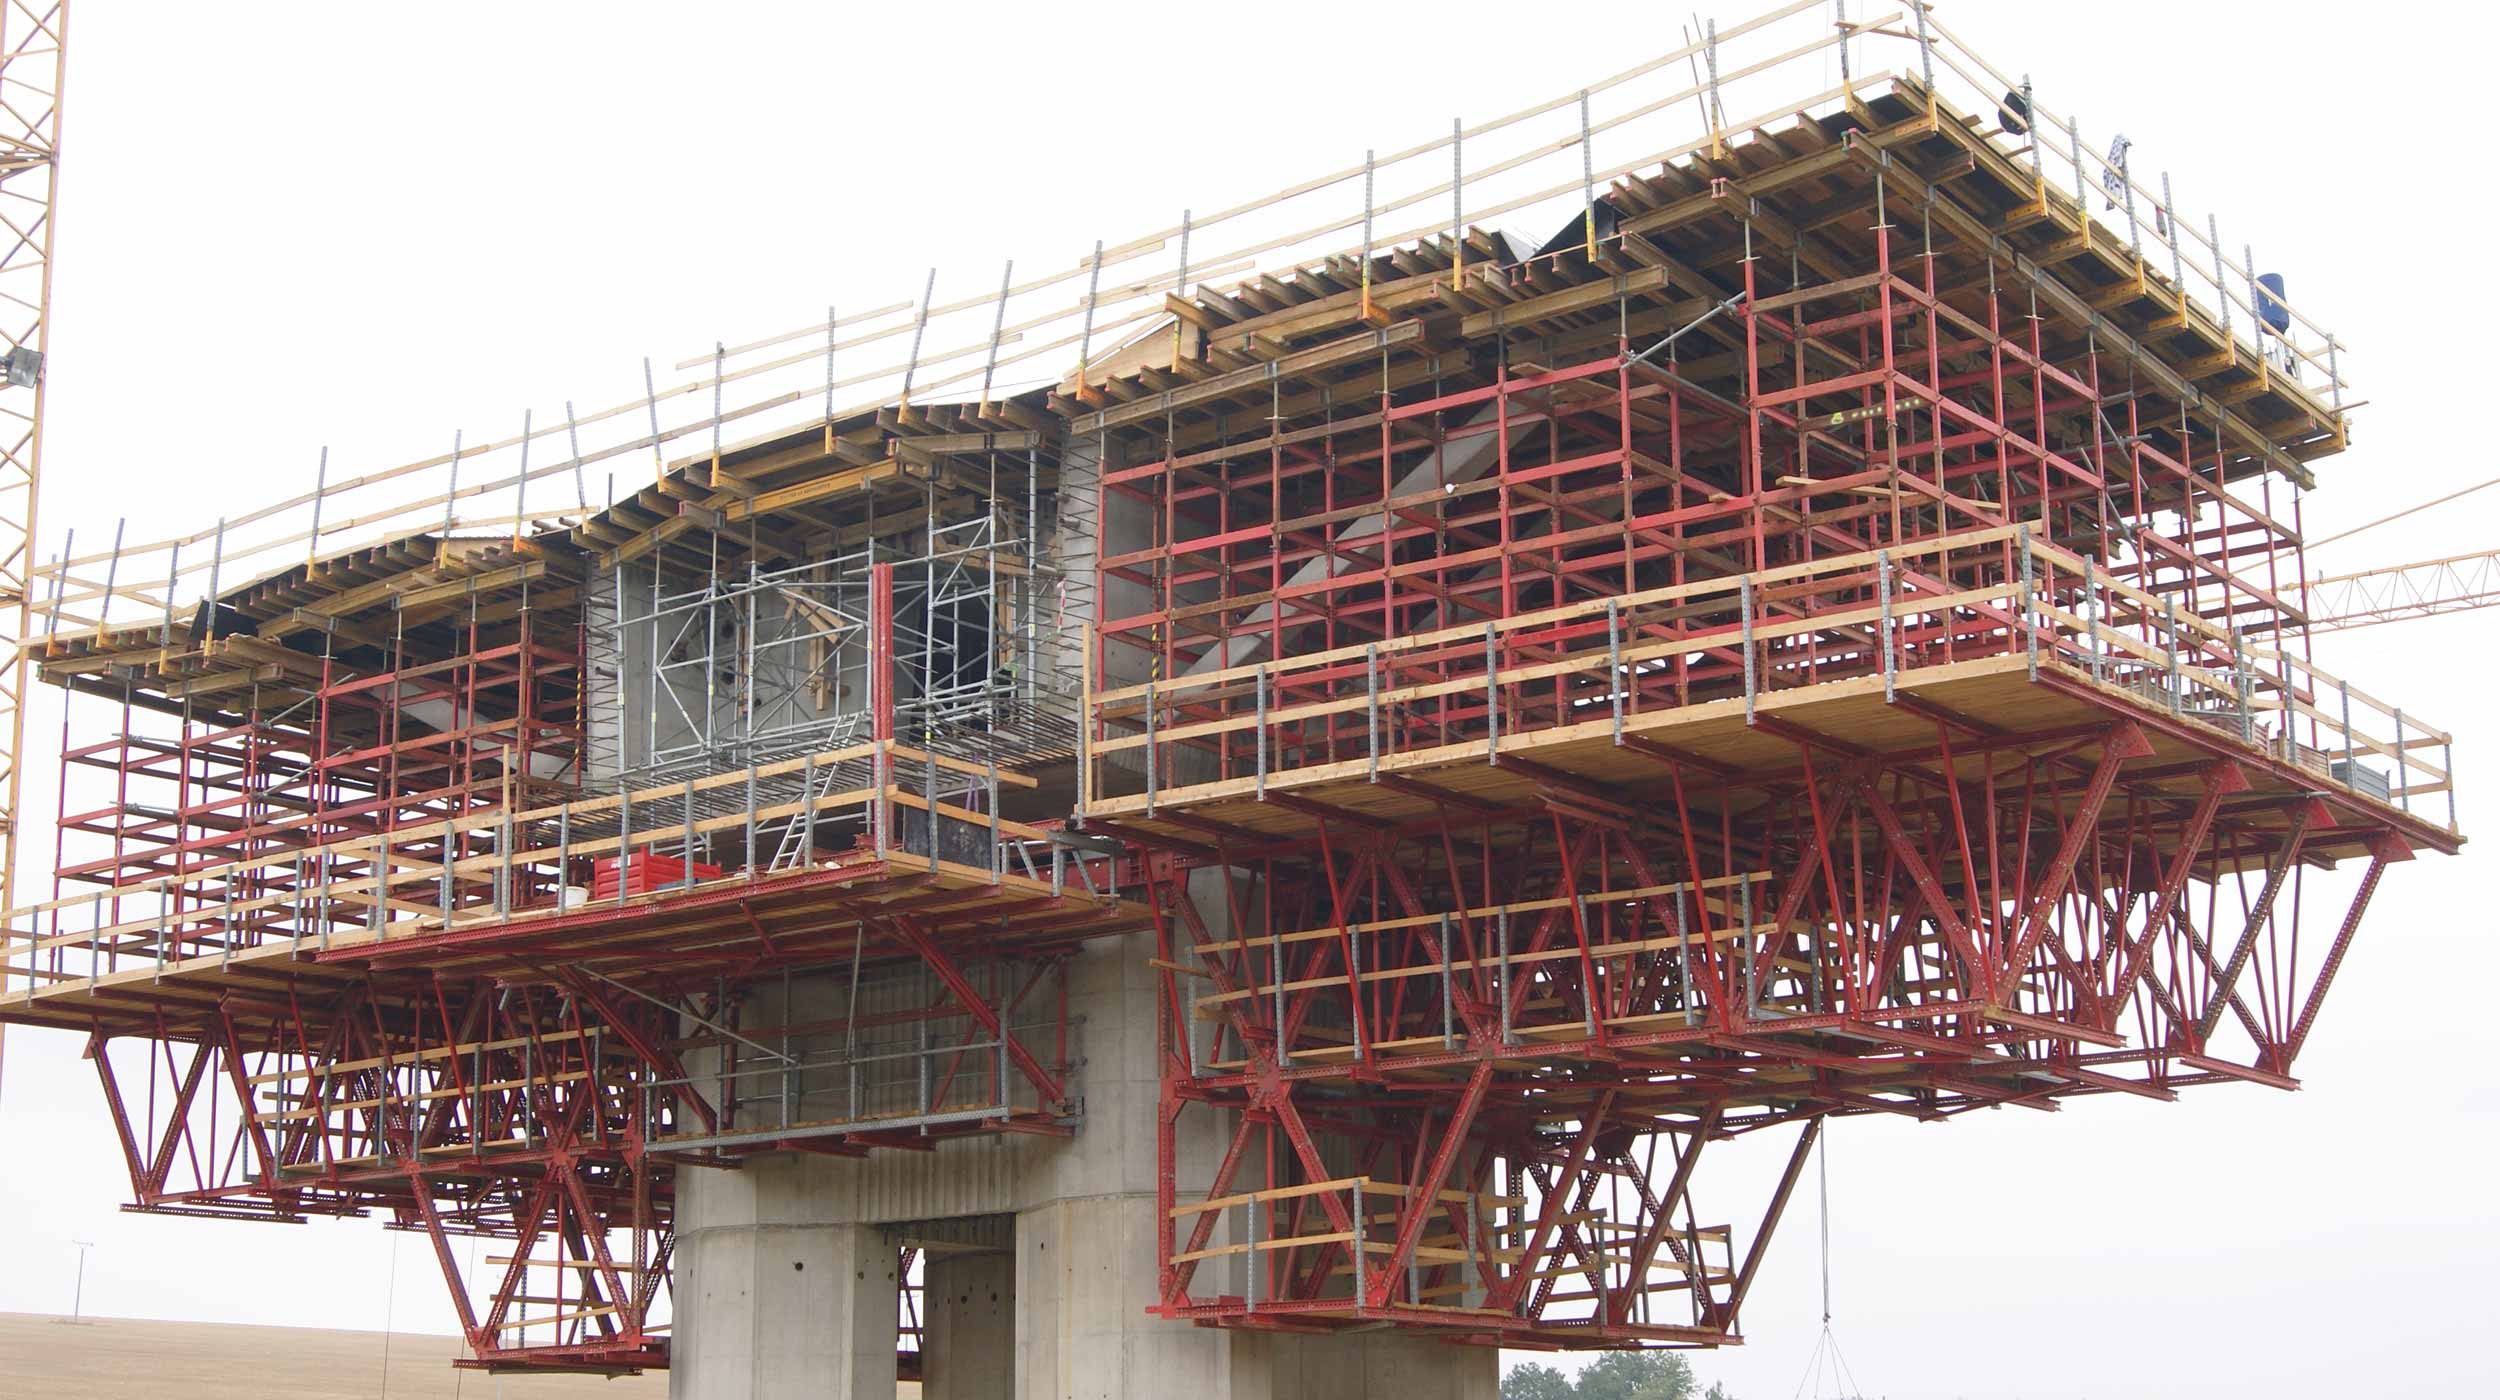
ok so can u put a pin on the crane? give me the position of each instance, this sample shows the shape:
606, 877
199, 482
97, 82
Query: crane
33, 39
2395, 592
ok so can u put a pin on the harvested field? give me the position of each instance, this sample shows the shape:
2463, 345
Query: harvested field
49, 1358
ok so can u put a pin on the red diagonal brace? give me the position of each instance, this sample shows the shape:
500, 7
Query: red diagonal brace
601, 1265
479, 1339
1955, 932
1662, 1221
1816, 855
232, 1046
96, 1043
1552, 1211
654, 1054
1481, 1026
1176, 1277
1420, 1205
177, 1121
1724, 1314
2125, 741
531, 1218
2304, 816
2221, 780
2384, 851
939, 962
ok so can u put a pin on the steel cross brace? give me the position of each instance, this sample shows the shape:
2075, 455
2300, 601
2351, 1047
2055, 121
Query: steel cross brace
1815, 856
1724, 1313
1217, 972
98, 1050
230, 1047
1974, 969
1573, 1187
422, 1202
1044, 1082
595, 1265
1176, 1277
2220, 779
654, 1053
2308, 813
2385, 850
2125, 741
1426, 1192
1548, 925
1662, 1215
530, 1220
1480, 1025
1507, 1297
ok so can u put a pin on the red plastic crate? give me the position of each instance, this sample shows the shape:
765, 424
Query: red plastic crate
644, 872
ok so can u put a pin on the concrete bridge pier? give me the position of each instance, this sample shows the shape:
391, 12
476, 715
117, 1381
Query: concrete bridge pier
785, 1281
776, 1297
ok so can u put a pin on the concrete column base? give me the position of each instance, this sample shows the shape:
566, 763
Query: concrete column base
785, 1287
1363, 1366
1085, 1273
969, 1341
772, 1303
1084, 1277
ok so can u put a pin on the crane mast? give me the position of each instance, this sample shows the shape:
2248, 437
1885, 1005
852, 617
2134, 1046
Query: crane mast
33, 39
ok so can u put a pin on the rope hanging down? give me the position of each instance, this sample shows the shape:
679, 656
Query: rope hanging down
1826, 1360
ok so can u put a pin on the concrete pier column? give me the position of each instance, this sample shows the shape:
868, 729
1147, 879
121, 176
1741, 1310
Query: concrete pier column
775, 1300
1083, 1267
1085, 1223
786, 1270
1359, 1366
969, 1351
1085, 1243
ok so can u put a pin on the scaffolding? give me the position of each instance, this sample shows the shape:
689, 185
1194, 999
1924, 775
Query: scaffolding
742, 670
348, 807
1819, 634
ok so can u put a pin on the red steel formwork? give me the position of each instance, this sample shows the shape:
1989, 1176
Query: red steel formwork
360, 944
1794, 655
465, 703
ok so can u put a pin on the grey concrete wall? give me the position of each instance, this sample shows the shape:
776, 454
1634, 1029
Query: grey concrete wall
1360, 1366
1084, 1269
969, 1347
774, 1298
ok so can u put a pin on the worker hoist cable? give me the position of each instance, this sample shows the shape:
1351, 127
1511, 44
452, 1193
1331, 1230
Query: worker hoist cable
1826, 1361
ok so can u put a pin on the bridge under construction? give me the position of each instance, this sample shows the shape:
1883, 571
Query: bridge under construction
1278, 807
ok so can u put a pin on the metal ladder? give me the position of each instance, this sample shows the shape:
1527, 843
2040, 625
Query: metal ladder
818, 782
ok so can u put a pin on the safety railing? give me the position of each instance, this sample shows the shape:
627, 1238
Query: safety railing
2140, 208
1294, 1247
346, 1114
1469, 693
2267, 698
883, 801
1542, 165
1279, 1233
1400, 991
940, 1069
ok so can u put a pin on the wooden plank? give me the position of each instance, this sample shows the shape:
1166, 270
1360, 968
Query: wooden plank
1353, 347
1587, 296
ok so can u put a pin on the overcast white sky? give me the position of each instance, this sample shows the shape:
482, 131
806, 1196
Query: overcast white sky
289, 225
